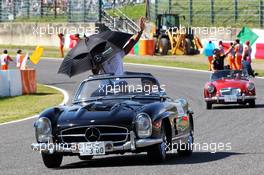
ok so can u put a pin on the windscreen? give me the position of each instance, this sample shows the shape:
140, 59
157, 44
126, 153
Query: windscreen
93, 89
228, 74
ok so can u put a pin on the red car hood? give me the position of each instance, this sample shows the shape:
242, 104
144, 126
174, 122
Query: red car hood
233, 83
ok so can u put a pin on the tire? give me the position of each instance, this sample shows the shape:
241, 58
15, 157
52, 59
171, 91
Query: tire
156, 44
157, 153
209, 106
252, 104
187, 149
52, 160
85, 157
188, 46
164, 46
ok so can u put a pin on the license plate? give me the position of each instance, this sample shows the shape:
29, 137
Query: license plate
230, 98
91, 148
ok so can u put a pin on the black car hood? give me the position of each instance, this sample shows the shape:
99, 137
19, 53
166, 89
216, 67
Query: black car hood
121, 114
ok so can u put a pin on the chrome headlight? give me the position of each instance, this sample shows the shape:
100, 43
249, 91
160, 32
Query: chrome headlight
143, 125
211, 89
43, 130
238, 92
251, 86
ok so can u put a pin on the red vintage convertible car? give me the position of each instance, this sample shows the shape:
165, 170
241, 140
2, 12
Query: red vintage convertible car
229, 87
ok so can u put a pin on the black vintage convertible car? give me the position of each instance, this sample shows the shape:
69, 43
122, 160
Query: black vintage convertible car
114, 115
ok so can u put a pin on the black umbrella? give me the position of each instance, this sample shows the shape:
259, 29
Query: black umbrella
93, 51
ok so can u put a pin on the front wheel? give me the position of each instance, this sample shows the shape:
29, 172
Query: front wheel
252, 104
186, 149
164, 46
209, 105
157, 153
52, 160
156, 44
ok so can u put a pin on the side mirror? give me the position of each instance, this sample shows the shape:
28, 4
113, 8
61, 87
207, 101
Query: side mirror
190, 111
163, 96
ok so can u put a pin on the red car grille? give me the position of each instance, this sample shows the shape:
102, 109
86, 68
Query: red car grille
230, 91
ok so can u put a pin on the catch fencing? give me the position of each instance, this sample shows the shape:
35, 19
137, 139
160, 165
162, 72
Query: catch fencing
49, 10
231, 13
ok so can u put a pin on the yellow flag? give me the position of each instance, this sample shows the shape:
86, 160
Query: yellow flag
35, 56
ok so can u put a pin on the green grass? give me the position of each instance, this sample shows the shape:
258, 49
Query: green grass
174, 63
49, 51
132, 11
14, 108
166, 62
260, 73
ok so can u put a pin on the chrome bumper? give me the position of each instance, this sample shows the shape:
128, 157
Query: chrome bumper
218, 99
131, 145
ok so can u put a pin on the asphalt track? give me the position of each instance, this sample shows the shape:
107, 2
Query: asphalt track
242, 127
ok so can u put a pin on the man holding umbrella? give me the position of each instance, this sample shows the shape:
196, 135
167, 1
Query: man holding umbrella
115, 64
102, 53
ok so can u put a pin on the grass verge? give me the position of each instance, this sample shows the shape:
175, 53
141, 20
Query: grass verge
49, 51
173, 63
166, 62
132, 11
14, 108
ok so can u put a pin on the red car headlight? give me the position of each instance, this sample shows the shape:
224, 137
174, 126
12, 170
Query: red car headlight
251, 86
211, 89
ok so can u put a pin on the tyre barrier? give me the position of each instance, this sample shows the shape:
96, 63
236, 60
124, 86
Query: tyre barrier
144, 47
259, 51
17, 82
29, 84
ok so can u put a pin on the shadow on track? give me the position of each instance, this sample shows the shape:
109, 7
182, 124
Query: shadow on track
259, 105
141, 160
62, 83
42, 94
236, 107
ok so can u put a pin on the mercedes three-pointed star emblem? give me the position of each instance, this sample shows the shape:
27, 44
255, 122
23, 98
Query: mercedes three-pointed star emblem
92, 134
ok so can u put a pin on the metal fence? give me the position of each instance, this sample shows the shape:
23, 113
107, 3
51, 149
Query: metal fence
34, 10
233, 13
84, 10
58, 10
49, 10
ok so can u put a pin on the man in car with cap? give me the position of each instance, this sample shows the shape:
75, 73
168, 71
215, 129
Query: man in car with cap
219, 60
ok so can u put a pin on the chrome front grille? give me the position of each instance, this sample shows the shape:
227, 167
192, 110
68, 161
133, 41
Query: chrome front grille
111, 133
230, 91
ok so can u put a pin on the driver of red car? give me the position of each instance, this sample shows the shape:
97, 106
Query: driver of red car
219, 60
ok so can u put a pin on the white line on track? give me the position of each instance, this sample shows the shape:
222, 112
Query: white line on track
65, 94
65, 100
176, 68
167, 67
